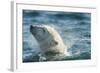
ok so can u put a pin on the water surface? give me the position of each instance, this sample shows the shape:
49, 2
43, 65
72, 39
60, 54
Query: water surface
74, 28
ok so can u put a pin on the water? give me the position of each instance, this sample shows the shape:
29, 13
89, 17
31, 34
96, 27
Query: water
74, 28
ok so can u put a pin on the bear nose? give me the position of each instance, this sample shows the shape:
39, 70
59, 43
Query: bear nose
31, 27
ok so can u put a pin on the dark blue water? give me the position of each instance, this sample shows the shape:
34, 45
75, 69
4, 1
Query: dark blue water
74, 28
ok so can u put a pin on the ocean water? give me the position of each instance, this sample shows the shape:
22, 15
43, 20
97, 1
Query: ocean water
74, 28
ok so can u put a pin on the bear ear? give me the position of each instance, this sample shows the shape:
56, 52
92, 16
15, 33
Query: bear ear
56, 42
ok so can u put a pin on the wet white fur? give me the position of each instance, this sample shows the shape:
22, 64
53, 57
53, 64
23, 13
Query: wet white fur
49, 43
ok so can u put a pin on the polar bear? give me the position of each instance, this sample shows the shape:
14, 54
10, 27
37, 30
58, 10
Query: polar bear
51, 44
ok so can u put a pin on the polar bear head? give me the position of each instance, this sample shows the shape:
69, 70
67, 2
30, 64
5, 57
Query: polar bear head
49, 40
